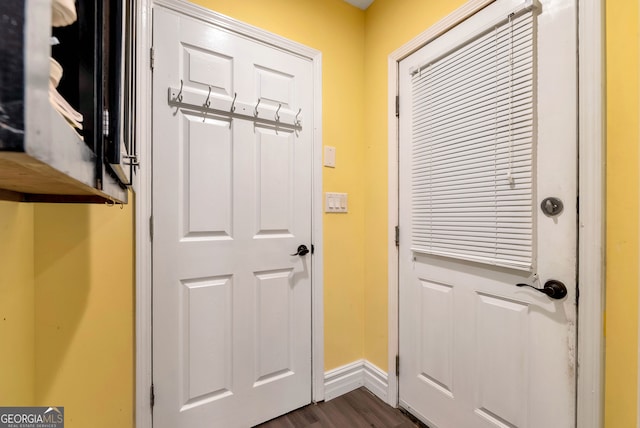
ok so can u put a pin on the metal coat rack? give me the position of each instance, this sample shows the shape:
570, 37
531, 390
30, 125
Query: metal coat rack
216, 105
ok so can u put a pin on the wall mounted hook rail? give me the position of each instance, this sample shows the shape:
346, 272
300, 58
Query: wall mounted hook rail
219, 108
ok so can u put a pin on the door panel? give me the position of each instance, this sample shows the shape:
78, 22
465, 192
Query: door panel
276, 151
436, 335
207, 177
208, 68
231, 203
275, 86
273, 326
501, 359
475, 349
206, 347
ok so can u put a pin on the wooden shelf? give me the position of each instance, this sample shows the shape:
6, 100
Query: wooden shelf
45, 160
26, 179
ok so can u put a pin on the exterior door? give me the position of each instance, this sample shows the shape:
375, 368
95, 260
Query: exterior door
231, 205
481, 147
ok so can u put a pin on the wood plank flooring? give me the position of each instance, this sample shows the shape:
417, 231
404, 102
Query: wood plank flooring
356, 409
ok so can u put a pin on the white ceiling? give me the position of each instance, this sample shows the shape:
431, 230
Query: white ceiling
362, 4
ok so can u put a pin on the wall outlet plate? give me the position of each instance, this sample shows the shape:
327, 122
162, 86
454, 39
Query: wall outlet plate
330, 156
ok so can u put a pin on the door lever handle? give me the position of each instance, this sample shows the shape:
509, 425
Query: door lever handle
302, 250
552, 288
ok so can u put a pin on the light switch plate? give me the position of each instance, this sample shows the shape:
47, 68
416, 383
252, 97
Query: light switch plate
335, 202
330, 156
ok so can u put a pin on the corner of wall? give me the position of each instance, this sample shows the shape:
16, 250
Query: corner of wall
389, 24
360, 373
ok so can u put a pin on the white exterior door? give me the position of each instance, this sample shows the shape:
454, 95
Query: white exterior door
231, 204
475, 349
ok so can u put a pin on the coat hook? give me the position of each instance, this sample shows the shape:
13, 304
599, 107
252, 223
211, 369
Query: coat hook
277, 116
179, 96
233, 104
298, 114
255, 110
207, 103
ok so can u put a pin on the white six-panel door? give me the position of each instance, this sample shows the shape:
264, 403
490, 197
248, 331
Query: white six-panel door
231, 203
475, 349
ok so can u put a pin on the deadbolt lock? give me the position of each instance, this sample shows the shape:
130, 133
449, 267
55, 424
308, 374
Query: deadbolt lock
551, 206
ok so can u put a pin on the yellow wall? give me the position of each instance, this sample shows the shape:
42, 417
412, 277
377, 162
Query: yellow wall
84, 313
17, 365
389, 24
622, 214
337, 30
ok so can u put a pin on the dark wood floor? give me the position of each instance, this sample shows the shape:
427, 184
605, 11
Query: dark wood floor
358, 408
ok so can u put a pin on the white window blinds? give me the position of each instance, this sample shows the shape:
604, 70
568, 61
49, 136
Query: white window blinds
472, 138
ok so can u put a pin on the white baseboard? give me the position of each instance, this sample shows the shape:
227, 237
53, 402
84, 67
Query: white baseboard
376, 380
343, 379
352, 376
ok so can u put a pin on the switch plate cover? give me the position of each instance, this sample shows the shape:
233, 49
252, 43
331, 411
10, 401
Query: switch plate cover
330, 156
335, 202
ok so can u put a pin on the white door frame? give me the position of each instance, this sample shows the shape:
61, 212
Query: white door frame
143, 186
590, 356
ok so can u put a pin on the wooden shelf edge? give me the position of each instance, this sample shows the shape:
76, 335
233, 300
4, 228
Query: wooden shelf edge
9, 195
26, 179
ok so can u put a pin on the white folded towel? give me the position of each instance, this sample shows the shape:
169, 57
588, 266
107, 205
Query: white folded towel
63, 12
55, 72
64, 108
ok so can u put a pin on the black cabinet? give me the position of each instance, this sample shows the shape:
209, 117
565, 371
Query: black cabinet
42, 157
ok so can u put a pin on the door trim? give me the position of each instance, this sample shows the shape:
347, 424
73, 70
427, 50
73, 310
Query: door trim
590, 338
143, 186
591, 244
142, 201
